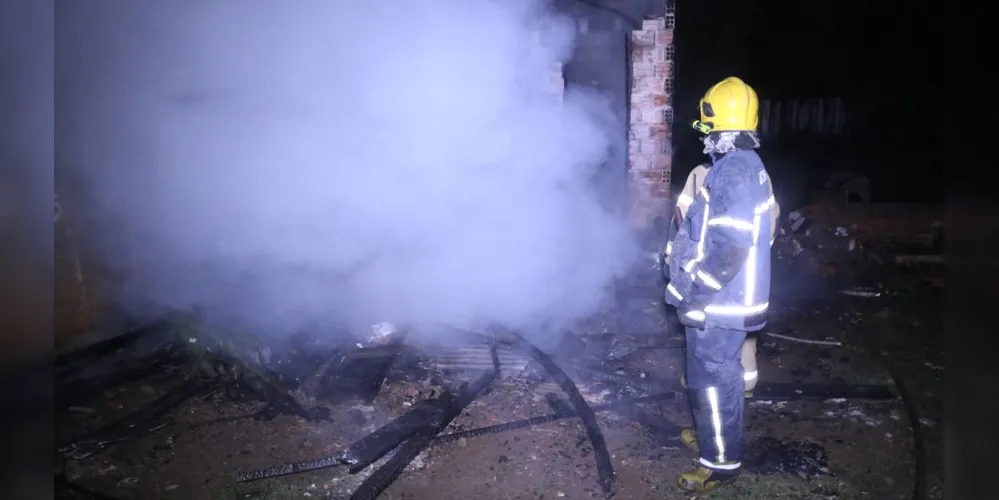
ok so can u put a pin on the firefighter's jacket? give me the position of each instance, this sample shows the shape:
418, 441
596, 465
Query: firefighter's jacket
720, 258
695, 179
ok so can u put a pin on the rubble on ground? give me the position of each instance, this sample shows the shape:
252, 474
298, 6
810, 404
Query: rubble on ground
834, 237
265, 404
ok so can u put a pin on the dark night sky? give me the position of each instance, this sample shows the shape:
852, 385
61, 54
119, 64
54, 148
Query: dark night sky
789, 47
881, 52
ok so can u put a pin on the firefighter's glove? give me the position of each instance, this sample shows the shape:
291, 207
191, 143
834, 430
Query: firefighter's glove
691, 310
691, 318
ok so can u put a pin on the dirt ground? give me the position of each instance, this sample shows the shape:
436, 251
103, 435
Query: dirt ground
868, 445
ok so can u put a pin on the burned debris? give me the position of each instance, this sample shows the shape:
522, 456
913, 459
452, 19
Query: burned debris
210, 360
308, 380
364, 410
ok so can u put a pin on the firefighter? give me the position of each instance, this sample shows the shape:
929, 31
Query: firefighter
694, 182
720, 278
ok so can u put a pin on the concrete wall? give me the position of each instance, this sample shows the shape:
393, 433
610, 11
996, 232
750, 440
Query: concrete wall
649, 138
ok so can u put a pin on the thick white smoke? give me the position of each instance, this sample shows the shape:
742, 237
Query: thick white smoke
287, 164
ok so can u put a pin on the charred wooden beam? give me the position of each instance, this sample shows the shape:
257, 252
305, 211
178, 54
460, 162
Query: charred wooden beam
562, 411
138, 423
377, 482
368, 449
605, 469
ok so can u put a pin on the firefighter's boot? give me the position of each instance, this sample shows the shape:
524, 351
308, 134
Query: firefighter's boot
701, 479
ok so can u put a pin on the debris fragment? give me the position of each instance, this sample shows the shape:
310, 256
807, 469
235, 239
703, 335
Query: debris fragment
920, 259
128, 481
805, 341
380, 332
861, 292
796, 247
857, 415
797, 220
779, 405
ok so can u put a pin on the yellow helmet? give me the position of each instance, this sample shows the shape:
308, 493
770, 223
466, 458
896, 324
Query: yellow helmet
727, 106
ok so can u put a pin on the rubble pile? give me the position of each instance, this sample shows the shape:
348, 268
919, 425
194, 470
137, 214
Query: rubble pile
834, 237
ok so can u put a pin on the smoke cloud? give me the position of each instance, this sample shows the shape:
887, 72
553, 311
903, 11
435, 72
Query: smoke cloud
286, 165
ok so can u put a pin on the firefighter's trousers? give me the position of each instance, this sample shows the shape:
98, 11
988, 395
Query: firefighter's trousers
716, 389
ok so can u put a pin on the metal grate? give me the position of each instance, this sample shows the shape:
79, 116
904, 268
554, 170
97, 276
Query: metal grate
668, 115
670, 21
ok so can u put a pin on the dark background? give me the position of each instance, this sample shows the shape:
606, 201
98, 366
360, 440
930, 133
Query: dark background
885, 54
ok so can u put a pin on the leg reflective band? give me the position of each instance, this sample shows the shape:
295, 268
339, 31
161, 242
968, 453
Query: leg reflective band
749, 372
711, 465
716, 422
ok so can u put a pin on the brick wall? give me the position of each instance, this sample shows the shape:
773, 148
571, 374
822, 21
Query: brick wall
649, 147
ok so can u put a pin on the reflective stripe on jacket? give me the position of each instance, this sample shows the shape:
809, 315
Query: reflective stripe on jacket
732, 208
695, 179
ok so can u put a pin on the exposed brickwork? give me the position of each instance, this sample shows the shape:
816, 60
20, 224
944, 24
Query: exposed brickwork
649, 146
